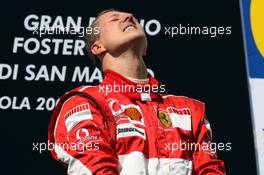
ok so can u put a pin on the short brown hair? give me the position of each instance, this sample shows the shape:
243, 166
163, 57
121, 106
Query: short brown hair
91, 38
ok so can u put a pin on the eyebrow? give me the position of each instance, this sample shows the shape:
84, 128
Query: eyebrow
114, 15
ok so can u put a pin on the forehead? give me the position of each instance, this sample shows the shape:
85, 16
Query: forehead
110, 14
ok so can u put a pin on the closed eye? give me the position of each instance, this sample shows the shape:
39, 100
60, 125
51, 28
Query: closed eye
114, 19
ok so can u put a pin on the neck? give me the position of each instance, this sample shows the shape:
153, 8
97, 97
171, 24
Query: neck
126, 64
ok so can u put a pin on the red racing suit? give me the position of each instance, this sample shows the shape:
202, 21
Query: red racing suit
121, 127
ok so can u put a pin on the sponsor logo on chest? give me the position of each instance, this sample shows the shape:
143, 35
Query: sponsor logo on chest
172, 117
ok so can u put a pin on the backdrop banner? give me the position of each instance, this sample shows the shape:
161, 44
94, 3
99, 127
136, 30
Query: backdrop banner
195, 49
254, 46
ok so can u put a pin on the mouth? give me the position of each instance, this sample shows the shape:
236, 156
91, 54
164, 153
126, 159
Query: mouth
129, 27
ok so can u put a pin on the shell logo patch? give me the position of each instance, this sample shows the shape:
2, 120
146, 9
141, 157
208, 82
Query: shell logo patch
133, 113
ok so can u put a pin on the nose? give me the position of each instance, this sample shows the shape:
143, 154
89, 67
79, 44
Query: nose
128, 17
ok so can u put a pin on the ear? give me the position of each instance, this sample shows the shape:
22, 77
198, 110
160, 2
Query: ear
97, 48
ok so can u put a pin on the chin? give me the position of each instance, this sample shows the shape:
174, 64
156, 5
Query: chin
135, 37
138, 43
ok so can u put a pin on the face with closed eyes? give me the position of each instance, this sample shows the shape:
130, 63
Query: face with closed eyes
120, 31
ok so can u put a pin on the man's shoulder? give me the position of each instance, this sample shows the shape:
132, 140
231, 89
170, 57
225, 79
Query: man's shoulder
81, 94
91, 90
184, 100
196, 107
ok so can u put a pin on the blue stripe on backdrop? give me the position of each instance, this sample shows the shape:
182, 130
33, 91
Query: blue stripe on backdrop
255, 59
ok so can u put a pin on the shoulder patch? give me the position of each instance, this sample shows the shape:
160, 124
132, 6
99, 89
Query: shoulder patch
76, 115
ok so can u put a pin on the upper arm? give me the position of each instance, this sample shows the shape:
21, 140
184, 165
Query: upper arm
82, 133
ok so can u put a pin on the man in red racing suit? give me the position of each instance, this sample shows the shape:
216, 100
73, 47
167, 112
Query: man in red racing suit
125, 126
